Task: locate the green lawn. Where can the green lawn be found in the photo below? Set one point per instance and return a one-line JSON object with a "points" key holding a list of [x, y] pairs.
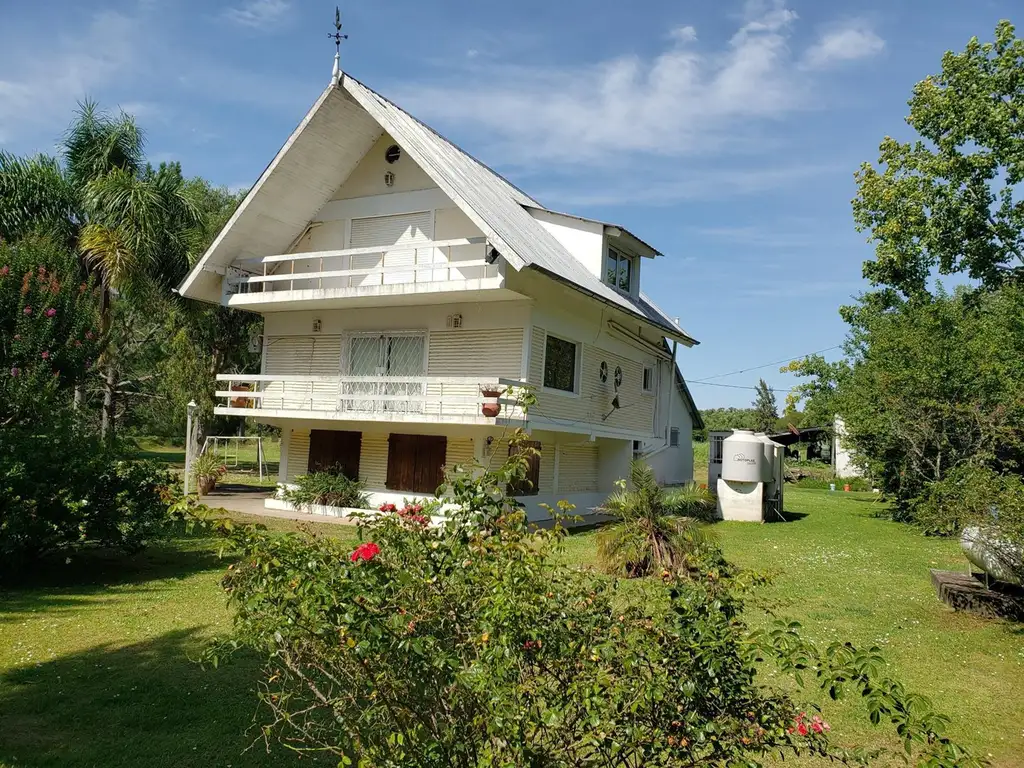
{"points": [[96, 657], [238, 456]]}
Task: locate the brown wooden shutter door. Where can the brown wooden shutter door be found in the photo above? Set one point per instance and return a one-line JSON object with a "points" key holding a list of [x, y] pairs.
{"points": [[530, 485], [416, 462], [331, 449]]}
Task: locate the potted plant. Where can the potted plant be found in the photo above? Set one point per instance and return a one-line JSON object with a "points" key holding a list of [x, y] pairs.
{"points": [[491, 410], [206, 471]]}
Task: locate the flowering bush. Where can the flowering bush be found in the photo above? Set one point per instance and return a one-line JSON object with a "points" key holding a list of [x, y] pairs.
{"points": [[47, 317], [59, 486], [471, 644]]}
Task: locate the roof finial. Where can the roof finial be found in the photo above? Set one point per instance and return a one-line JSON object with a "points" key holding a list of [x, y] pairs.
{"points": [[337, 37]]}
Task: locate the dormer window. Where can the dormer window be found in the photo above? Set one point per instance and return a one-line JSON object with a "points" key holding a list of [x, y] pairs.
{"points": [[618, 270]]}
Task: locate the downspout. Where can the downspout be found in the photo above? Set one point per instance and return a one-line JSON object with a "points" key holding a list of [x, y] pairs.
{"points": [[668, 426]]}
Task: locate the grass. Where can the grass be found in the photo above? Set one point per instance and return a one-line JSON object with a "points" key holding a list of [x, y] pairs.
{"points": [[240, 459], [96, 656]]}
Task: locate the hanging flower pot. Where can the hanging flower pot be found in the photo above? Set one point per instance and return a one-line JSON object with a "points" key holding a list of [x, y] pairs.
{"points": [[489, 391], [490, 410]]}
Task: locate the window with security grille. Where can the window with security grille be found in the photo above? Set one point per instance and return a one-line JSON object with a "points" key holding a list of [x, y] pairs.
{"points": [[561, 359], [673, 437], [386, 362]]}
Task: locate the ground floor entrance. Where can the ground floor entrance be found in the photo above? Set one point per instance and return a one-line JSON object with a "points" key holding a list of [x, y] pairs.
{"points": [[398, 465]]}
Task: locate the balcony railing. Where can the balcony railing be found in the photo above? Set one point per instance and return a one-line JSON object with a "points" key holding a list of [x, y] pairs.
{"points": [[379, 398], [440, 261]]}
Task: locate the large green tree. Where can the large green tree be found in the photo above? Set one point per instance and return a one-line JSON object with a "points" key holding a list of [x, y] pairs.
{"points": [[950, 200], [131, 224], [766, 410]]}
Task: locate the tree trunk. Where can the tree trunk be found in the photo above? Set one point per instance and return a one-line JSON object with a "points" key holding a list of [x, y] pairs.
{"points": [[109, 403], [106, 359]]}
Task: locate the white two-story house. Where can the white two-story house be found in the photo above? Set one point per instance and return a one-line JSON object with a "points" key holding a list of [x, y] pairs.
{"points": [[406, 288]]}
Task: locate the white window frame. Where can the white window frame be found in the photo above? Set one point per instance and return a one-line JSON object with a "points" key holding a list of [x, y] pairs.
{"points": [[653, 388], [619, 255], [577, 370]]}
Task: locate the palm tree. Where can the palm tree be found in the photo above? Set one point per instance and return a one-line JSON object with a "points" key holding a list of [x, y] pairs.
{"points": [[656, 529], [129, 223]]}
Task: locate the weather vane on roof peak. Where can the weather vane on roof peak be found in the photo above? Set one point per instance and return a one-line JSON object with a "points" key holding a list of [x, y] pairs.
{"points": [[337, 37]]}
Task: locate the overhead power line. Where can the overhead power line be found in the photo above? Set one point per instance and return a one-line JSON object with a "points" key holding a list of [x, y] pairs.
{"points": [[758, 367], [733, 386]]}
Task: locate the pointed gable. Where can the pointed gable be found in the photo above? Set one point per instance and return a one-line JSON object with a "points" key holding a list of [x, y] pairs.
{"points": [[329, 144]]}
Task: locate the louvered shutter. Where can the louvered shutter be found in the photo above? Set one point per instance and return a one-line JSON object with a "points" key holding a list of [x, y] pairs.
{"points": [[386, 232], [403, 229]]}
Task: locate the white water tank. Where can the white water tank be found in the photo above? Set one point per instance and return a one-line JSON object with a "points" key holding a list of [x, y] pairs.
{"points": [[743, 457], [768, 446]]}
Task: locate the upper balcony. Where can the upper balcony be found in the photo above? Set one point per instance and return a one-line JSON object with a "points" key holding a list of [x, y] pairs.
{"points": [[375, 275], [421, 399]]}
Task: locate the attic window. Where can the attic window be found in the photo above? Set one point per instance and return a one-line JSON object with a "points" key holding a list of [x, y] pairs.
{"points": [[618, 270], [393, 153]]}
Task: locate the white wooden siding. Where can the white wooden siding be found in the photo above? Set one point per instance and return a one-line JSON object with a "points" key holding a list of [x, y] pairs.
{"points": [[373, 459], [298, 454], [636, 411], [488, 353], [546, 482], [578, 468], [302, 356], [460, 451]]}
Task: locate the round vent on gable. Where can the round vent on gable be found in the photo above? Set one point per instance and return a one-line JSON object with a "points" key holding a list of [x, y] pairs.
{"points": [[393, 153]]}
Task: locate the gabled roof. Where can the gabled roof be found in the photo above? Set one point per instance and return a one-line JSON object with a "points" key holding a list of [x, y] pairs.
{"points": [[305, 173]]}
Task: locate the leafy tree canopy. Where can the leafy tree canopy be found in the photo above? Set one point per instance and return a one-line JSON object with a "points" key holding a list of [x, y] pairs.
{"points": [[950, 200]]}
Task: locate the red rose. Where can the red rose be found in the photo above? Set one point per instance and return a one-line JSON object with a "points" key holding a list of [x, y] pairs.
{"points": [[366, 551]]}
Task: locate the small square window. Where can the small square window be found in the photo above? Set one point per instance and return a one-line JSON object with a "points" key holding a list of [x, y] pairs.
{"points": [[560, 362], [618, 270], [648, 378], [673, 437]]}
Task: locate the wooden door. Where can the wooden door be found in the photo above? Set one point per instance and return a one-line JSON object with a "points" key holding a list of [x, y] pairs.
{"points": [[416, 462], [529, 485], [332, 450]]}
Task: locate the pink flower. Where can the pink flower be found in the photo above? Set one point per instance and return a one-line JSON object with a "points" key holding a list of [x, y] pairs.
{"points": [[88, 334], [78, 343], [366, 551], [387, 507], [15, 372], [5, 270], [801, 728], [27, 311], [45, 355], [17, 337], [51, 312]]}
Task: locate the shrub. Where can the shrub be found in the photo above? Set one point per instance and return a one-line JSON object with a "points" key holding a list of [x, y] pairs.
{"points": [[691, 500], [60, 487], [471, 644], [332, 489], [207, 465], [650, 534]]}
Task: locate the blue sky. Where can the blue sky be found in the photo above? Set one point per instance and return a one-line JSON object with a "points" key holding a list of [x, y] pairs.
{"points": [[724, 133]]}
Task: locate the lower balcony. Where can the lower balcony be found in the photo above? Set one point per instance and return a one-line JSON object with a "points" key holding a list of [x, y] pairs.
{"points": [[415, 399]]}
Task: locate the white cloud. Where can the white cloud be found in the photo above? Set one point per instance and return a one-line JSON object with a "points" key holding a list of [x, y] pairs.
{"points": [[681, 101], [855, 40], [687, 34], [259, 14], [39, 89]]}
